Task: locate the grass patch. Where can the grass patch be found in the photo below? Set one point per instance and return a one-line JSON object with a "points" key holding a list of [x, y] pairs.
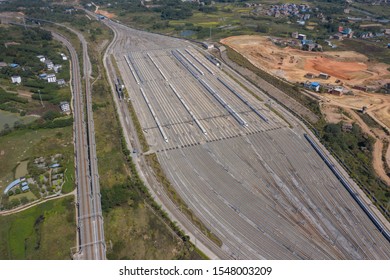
{"points": [[29, 196], [369, 121], [354, 151], [46, 231], [138, 233], [370, 49], [69, 176], [384, 151], [377, 10], [108, 137], [10, 119], [140, 133], [26, 144]]}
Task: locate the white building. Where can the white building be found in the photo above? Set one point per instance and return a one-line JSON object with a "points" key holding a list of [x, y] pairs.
{"points": [[65, 108], [63, 56], [16, 79], [51, 78], [41, 58], [61, 82], [301, 36], [57, 67], [49, 64]]}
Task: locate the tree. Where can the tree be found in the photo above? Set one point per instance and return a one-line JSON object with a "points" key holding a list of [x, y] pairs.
{"points": [[24, 200], [51, 115], [18, 124], [262, 28]]}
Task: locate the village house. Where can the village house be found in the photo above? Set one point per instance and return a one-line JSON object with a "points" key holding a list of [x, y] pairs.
{"points": [[41, 58], [49, 64], [337, 90], [65, 107], [51, 78], [16, 79], [57, 67]]}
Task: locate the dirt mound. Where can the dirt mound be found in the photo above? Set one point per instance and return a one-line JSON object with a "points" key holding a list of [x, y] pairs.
{"points": [[350, 67], [106, 14], [292, 64], [338, 69]]}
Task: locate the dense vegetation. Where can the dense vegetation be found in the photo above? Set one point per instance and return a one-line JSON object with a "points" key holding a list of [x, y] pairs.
{"points": [[46, 231], [121, 194], [8, 101], [22, 46], [354, 150]]}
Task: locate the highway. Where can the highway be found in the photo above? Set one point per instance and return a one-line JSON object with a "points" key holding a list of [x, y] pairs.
{"points": [[248, 174], [91, 244]]}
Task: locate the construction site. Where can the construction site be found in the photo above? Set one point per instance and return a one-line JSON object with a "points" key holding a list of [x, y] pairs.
{"points": [[351, 70]]}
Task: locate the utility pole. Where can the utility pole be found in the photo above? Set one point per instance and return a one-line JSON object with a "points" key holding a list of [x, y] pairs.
{"points": [[40, 97]]}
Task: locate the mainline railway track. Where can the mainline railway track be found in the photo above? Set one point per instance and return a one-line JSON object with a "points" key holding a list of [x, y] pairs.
{"points": [[91, 243]]}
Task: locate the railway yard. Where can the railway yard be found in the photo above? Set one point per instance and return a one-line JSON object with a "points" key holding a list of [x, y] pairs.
{"points": [[251, 177]]}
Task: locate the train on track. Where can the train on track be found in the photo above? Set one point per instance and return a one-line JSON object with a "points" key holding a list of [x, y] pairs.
{"points": [[348, 187]]}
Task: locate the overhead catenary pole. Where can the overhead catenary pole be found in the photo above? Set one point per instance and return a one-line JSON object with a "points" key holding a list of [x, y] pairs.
{"points": [[40, 97]]}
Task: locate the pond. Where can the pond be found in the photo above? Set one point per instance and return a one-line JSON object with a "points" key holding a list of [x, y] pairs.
{"points": [[10, 118], [187, 33]]}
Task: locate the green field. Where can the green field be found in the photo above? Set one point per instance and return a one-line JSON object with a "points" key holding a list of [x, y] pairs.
{"points": [[108, 141], [137, 233], [23, 145], [46, 231], [374, 51], [8, 118]]}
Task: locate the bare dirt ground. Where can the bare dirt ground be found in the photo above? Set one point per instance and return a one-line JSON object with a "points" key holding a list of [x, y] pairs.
{"points": [[378, 146], [350, 67], [333, 114], [25, 94], [106, 14]]}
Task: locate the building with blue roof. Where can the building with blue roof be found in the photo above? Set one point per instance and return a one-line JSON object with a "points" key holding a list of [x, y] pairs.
{"points": [[55, 165], [12, 185], [306, 42], [25, 188], [315, 86]]}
